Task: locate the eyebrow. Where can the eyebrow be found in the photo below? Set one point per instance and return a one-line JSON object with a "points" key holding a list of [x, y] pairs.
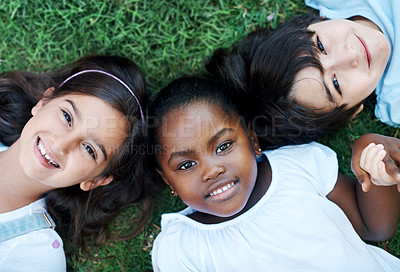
{"points": [[180, 153], [328, 92], [191, 151], [76, 110], [219, 134], [78, 116], [103, 150]]}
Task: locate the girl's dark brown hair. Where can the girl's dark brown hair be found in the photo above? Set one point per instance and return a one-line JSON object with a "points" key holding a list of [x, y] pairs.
{"points": [[78, 212]]}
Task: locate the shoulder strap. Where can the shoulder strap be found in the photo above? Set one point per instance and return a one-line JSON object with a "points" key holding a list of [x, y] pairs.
{"points": [[25, 224]]}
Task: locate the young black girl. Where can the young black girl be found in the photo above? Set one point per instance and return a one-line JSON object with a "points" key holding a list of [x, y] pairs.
{"points": [[279, 210]]}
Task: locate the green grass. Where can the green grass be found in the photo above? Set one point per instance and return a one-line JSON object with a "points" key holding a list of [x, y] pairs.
{"points": [[166, 38]]}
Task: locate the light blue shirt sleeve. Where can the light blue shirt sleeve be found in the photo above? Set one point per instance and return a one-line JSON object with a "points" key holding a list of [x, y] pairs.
{"points": [[2, 147]]}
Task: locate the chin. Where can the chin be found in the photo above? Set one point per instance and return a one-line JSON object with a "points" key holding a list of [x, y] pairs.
{"points": [[230, 213]]}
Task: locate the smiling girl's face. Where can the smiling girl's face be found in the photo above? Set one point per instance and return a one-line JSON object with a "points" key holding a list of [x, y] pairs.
{"points": [[207, 158], [70, 140], [353, 56]]}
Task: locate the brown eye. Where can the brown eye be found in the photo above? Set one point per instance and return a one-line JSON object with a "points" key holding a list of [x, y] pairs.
{"points": [[223, 147], [187, 165]]}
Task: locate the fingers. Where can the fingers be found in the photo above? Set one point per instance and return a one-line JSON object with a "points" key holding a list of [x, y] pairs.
{"points": [[370, 157], [362, 176], [392, 161], [394, 151], [391, 168], [384, 178], [364, 153], [365, 180], [372, 162], [376, 163]]}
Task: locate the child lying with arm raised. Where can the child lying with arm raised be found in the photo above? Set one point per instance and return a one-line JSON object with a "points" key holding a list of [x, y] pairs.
{"points": [[277, 210]]}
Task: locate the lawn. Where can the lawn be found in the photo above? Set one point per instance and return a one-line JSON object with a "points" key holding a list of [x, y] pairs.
{"points": [[166, 38]]}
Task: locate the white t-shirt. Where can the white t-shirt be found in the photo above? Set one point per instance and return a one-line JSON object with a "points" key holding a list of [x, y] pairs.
{"points": [[293, 227], [40, 250], [386, 15]]}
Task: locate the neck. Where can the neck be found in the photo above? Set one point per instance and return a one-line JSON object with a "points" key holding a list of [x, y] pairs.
{"points": [[365, 21], [16, 189], [264, 176]]}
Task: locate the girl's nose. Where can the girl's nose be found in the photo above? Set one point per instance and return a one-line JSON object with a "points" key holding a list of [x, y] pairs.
{"points": [[344, 58], [61, 143], [350, 56], [212, 171]]}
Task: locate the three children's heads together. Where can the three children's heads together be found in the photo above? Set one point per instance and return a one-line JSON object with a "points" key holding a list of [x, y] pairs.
{"points": [[287, 86]]}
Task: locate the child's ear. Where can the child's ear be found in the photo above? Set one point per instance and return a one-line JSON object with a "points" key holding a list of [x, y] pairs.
{"points": [[43, 101], [358, 111], [254, 140], [94, 183], [160, 172]]}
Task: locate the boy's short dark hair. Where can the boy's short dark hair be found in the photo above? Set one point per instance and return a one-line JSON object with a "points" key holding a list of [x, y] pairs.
{"points": [[261, 71]]}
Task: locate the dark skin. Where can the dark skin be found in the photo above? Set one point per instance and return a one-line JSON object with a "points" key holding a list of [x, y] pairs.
{"points": [[263, 181], [374, 212], [391, 160]]}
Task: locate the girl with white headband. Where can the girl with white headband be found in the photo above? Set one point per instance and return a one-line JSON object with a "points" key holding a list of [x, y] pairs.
{"points": [[74, 163]]}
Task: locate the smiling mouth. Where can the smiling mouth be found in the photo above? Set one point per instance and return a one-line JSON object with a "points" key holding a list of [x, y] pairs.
{"points": [[45, 156], [367, 54], [222, 189]]}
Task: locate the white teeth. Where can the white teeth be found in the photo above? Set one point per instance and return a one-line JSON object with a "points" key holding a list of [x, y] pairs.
{"points": [[47, 157], [41, 149], [223, 189]]}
